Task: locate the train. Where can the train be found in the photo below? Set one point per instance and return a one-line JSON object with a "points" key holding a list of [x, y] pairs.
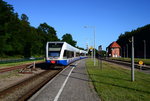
{"points": [[62, 53]]}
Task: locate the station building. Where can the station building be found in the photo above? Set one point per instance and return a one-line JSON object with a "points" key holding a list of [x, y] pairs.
{"points": [[113, 50]]}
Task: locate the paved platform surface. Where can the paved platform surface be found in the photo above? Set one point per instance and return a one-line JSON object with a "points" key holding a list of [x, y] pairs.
{"points": [[72, 84]]}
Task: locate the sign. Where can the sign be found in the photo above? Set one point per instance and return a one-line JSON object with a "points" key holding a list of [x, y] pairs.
{"points": [[91, 48], [100, 48], [140, 62], [54, 49]]}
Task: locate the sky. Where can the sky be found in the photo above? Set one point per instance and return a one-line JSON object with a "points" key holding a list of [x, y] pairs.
{"points": [[109, 18]]}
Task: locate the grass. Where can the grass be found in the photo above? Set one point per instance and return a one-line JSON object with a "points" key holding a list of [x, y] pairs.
{"points": [[113, 83], [19, 63], [146, 61]]}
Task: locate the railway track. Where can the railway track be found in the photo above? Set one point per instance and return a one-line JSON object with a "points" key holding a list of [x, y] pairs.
{"points": [[25, 89], [144, 67]]}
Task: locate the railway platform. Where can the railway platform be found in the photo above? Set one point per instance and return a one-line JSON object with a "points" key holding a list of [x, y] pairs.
{"points": [[72, 84]]}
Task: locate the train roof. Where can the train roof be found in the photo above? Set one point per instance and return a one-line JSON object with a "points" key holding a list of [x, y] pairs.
{"points": [[83, 51], [69, 47]]}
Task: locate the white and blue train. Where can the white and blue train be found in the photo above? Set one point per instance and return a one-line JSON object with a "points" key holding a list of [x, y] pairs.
{"points": [[62, 53]]}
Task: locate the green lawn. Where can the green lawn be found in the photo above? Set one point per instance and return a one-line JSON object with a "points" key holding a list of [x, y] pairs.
{"points": [[146, 61], [113, 83]]}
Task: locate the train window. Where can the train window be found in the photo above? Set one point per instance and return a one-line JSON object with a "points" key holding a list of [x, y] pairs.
{"points": [[65, 54], [68, 54], [54, 49], [82, 54], [77, 54], [54, 53], [72, 54]]}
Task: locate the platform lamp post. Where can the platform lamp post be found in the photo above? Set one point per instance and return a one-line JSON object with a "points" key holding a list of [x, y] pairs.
{"points": [[94, 39]]}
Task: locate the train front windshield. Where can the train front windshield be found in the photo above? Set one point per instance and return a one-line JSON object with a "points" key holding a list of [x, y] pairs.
{"points": [[54, 54], [54, 49]]}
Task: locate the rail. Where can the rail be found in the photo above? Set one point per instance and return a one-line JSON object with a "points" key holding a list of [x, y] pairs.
{"points": [[23, 90], [144, 67]]}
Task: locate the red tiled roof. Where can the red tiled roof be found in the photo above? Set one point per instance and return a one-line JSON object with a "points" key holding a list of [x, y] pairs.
{"points": [[114, 45]]}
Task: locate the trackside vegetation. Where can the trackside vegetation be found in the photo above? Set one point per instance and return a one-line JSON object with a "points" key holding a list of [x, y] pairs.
{"points": [[145, 61], [113, 83], [19, 63]]}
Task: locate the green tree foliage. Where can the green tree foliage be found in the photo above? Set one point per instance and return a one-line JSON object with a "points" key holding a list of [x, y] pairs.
{"points": [[17, 37], [140, 34], [49, 32], [27, 36], [6, 18], [80, 48], [68, 38]]}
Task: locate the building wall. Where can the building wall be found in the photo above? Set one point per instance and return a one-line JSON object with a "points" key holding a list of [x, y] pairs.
{"points": [[115, 52]]}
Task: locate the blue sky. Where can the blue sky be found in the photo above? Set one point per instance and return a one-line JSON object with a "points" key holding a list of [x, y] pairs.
{"points": [[110, 17]]}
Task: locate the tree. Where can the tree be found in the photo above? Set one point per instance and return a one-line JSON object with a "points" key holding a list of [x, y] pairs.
{"points": [[17, 37], [68, 38], [141, 35], [80, 48], [27, 36], [7, 16], [49, 32], [24, 18]]}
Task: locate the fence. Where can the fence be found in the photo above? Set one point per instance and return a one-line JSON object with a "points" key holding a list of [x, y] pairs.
{"points": [[4, 61]]}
